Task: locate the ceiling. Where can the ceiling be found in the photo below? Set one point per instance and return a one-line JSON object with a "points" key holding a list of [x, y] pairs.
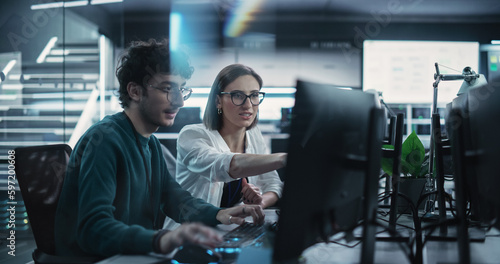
{"points": [[414, 10], [293, 23], [402, 7]]}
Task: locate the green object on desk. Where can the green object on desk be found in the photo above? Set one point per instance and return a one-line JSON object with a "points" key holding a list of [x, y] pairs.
{"points": [[414, 161]]}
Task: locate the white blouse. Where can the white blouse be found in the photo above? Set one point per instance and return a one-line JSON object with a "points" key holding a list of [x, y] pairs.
{"points": [[203, 160]]}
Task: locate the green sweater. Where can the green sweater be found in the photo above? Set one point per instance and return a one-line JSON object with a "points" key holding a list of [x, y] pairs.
{"points": [[105, 207]]}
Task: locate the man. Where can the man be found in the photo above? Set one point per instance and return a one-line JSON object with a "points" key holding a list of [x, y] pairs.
{"points": [[117, 189]]}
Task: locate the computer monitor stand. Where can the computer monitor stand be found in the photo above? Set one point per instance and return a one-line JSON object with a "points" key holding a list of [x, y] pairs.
{"points": [[445, 231]]}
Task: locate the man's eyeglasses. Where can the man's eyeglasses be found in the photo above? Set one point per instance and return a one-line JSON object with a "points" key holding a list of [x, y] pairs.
{"points": [[239, 98], [173, 92]]}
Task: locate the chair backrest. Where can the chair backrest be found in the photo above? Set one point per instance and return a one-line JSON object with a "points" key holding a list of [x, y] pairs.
{"points": [[40, 172]]}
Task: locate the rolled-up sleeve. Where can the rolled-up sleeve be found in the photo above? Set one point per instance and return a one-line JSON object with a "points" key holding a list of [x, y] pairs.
{"points": [[270, 181], [198, 154]]}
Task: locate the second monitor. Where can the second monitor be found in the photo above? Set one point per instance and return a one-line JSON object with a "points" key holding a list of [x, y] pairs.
{"points": [[332, 171]]}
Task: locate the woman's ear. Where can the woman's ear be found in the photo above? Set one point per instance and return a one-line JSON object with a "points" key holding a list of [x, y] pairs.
{"points": [[134, 91], [217, 102]]}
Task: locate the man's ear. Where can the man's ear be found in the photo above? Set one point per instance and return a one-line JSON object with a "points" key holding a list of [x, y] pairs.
{"points": [[134, 91]]}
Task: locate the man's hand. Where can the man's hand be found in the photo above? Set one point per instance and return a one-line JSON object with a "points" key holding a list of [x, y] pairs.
{"points": [[191, 232], [236, 215]]}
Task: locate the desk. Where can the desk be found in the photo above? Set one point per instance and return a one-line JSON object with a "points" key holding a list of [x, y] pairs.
{"points": [[435, 252], [271, 216]]}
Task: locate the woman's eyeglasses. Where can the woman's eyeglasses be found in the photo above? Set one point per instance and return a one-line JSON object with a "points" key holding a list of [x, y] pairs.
{"points": [[239, 98]]}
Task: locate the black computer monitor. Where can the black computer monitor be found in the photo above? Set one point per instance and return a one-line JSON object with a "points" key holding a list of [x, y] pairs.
{"points": [[476, 113], [473, 127], [461, 105], [333, 165], [484, 122]]}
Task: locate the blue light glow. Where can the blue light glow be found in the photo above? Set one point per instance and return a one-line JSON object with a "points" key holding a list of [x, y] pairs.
{"points": [[175, 30], [228, 250]]}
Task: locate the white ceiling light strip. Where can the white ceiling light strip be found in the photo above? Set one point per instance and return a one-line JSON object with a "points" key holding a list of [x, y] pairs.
{"points": [[59, 5], [46, 50], [100, 2], [8, 68], [72, 4]]}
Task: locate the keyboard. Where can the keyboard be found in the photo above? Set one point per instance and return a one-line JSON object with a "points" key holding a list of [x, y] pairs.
{"points": [[244, 235]]}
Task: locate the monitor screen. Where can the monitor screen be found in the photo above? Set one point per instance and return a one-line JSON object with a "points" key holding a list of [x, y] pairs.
{"points": [[185, 116], [325, 173], [493, 65], [404, 70]]}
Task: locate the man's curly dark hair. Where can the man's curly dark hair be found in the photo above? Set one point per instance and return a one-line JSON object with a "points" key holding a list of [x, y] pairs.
{"points": [[143, 59]]}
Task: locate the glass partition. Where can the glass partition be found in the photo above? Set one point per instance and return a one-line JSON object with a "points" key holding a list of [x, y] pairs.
{"points": [[56, 63]]}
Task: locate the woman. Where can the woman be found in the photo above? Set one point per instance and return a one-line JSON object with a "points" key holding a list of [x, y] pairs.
{"points": [[225, 160]]}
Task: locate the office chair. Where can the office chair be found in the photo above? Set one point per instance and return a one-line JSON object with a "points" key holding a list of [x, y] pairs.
{"points": [[40, 173]]}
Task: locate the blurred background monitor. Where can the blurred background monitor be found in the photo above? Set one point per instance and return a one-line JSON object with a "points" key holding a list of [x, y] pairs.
{"points": [[286, 118], [404, 70], [493, 65], [185, 116]]}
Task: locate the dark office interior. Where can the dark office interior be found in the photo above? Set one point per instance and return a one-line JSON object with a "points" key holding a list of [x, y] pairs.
{"points": [[58, 60]]}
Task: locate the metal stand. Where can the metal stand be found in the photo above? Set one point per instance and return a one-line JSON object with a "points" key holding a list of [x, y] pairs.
{"points": [[438, 77]]}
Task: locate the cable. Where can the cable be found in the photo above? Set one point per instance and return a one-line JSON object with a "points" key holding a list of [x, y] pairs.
{"points": [[441, 65], [433, 227], [408, 250], [401, 225], [346, 245]]}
